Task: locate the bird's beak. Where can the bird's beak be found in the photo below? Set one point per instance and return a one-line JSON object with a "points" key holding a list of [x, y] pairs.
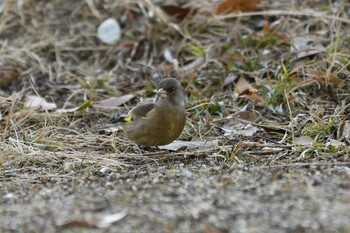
{"points": [[161, 93]]}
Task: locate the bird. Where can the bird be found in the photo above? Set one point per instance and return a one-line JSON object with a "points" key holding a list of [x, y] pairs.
{"points": [[159, 122]]}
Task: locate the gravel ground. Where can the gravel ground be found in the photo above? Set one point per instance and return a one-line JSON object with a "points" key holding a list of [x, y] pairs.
{"points": [[183, 197]]}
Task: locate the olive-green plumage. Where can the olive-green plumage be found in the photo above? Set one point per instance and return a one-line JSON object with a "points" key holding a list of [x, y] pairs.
{"points": [[159, 122]]}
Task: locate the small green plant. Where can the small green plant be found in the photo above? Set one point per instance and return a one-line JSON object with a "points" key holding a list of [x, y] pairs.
{"points": [[94, 82], [231, 155], [197, 49]]}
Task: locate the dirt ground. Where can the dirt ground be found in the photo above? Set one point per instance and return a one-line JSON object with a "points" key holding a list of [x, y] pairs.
{"points": [[267, 88], [185, 196]]}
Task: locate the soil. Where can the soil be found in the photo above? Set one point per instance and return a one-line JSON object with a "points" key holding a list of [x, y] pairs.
{"points": [[183, 196]]}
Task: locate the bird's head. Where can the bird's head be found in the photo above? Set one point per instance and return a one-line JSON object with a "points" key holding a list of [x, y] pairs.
{"points": [[171, 91]]}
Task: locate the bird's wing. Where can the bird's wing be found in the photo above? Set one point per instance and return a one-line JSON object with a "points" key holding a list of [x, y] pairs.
{"points": [[141, 110]]}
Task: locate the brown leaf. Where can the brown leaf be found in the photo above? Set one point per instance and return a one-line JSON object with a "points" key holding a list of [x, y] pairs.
{"points": [[247, 91], [253, 97], [242, 85], [178, 12], [229, 6], [266, 26], [245, 115], [322, 77], [274, 127], [76, 223], [114, 102]]}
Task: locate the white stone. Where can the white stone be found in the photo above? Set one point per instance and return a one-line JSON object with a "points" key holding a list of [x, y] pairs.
{"points": [[109, 31]]}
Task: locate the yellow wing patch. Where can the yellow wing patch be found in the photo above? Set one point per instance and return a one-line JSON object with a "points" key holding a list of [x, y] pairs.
{"points": [[128, 118]]}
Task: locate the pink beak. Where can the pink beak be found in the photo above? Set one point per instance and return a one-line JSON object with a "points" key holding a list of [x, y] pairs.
{"points": [[161, 93]]}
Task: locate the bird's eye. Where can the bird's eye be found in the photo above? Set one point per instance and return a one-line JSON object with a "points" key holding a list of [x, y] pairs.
{"points": [[171, 89]]}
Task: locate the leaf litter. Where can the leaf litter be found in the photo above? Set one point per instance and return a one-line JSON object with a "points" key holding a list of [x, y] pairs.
{"points": [[269, 73]]}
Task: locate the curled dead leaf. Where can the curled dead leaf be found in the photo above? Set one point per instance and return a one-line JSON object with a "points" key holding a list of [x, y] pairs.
{"points": [[245, 89], [242, 85], [95, 220]]}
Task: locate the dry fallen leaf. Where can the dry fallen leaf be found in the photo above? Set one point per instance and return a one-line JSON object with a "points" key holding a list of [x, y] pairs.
{"points": [[240, 123], [323, 77], [113, 102], [38, 103], [246, 90], [177, 145], [344, 131], [312, 50], [229, 6], [305, 46], [230, 78], [177, 12], [303, 141], [242, 85], [274, 127], [240, 129], [96, 220], [244, 115], [253, 97]]}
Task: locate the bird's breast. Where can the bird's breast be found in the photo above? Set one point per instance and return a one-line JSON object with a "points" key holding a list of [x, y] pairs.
{"points": [[160, 127]]}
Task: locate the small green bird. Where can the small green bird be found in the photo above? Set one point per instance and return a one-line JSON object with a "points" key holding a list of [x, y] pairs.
{"points": [[159, 122]]}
